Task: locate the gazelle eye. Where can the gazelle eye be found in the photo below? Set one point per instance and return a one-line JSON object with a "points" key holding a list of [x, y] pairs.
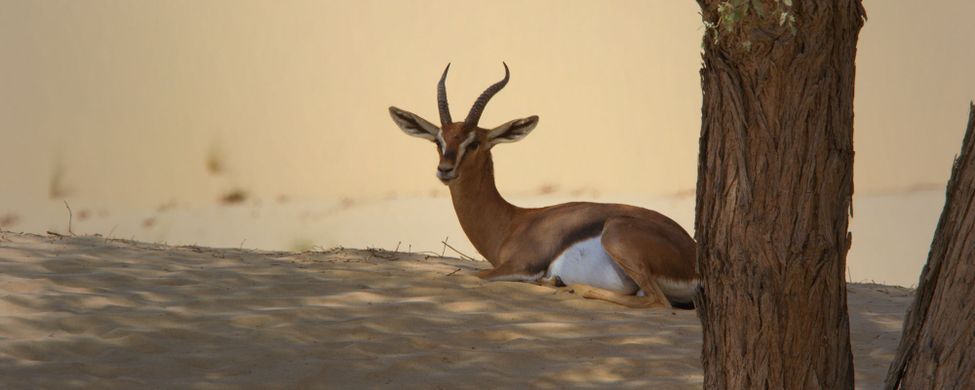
{"points": [[474, 145]]}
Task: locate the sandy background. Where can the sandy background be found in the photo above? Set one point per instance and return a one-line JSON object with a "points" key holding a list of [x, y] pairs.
{"points": [[90, 312], [891, 232]]}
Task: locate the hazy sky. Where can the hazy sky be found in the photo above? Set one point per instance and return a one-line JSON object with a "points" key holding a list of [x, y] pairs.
{"points": [[125, 100]]}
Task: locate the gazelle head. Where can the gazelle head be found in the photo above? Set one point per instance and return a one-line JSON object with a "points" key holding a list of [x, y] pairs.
{"points": [[464, 148]]}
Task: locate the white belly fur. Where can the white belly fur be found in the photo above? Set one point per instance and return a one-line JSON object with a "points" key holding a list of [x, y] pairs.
{"points": [[586, 262]]}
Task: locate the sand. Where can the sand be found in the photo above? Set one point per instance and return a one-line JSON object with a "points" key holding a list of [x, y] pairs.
{"points": [[891, 232], [89, 312]]}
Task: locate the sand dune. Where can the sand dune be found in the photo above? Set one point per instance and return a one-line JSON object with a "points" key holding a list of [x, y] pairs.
{"points": [[891, 232], [96, 313]]}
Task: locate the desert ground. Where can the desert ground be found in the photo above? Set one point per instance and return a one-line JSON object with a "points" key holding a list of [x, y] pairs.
{"points": [[891, 231], [93, 312]]}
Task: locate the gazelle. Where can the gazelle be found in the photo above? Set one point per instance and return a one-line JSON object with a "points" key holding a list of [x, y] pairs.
{"points": [[623, 254]]}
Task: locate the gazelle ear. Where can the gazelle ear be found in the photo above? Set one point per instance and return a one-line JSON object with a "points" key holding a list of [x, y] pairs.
{"points": [[512, 131], [413, 124]]}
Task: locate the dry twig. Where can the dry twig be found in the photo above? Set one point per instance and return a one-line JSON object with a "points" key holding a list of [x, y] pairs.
{"points": [[462, 255], [70, 217]]}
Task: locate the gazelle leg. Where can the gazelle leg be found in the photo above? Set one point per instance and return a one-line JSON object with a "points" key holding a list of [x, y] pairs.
{"points": [[631, 301], [507, 272], [627, 240], [554, 281]]}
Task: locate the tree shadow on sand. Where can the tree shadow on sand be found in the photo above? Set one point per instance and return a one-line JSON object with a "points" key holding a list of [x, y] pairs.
{"points": [[876, 321], [95, 313]]}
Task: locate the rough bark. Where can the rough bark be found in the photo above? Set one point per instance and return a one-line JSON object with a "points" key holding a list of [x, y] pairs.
{"points": [[935, 351], [775, 181]]}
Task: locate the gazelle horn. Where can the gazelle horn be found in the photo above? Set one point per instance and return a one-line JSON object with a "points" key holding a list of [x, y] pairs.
{"points": [[442, 98], [475, 114]]}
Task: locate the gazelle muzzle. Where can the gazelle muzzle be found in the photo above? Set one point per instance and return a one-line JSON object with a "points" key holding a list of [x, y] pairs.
{"points": [[446, 172]]}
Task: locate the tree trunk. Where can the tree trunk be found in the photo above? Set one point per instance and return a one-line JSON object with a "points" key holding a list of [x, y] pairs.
{"points": [[775, 181], [936, 349]]}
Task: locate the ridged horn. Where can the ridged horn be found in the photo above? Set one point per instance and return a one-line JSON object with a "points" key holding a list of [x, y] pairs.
{"points": [[442, 98], [478, 108]]}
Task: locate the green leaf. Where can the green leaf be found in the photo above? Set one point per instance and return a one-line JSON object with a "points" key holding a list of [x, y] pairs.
{"points": [[787, 2]]}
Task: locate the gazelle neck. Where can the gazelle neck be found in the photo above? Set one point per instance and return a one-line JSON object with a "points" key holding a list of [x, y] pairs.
{"points": [[484, 215]]}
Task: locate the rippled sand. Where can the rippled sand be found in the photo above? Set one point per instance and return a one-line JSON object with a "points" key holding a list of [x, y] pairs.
{"points": [[96, 313]]}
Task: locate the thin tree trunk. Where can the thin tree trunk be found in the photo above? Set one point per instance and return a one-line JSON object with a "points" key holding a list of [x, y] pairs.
{"points": [[936, 349], [775, 181]]}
